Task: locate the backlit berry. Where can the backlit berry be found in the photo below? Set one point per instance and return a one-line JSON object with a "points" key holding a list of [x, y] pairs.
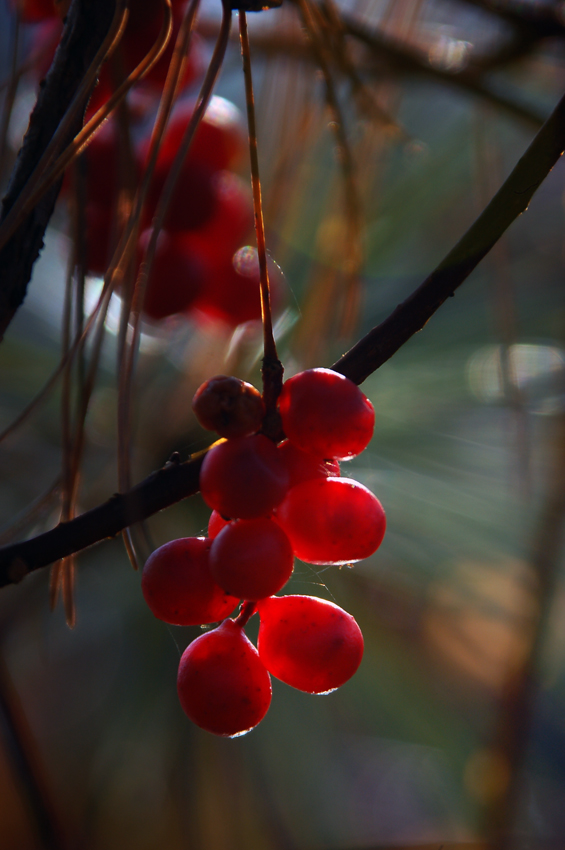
{"points": [[251, 558], [326, 414], [302, 466], [229, 406], [222, 683], [332, 521], [243, 478], [178, 586], [308, 643], [216, 523]]}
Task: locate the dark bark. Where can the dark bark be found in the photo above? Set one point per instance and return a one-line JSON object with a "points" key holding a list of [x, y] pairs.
{"points": [[86, 26]]}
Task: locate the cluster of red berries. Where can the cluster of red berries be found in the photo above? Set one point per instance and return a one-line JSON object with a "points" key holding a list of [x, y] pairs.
{"points": [[269, 504], [203, 266]]}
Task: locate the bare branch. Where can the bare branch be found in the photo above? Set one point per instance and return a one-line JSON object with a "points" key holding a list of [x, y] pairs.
{"points": [[86, 27]]}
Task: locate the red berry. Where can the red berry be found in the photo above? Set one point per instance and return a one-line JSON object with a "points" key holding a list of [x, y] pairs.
{"points": [[251, 558], [220, 139], [332, 521], [232, 288], [243, 478], [193, 201], [215, 524], [229, 406], [176, 278], [140, 35], [99, 239], [308, 643], [33, 11], [303, 466], [222, 683], [232, 221], [325, 413], [178, 586]]}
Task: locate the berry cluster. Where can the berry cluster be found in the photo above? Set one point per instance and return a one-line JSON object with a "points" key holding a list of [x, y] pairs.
{"points": [[269, 504], [203, 267]]}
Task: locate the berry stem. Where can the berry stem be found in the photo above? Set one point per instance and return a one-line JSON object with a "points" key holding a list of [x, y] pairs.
{"points": [[248, 608], [272, 367]]}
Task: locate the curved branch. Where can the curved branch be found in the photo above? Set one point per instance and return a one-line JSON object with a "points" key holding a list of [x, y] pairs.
{"points": [[161, 489], [176, 480]]}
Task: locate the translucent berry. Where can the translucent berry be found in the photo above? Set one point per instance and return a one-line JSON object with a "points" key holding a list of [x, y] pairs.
{"points": [[215, 524], [308, 643], [176, 278], [223, 685], [332, 521], [178, 586], [243, 478], [303, 466], [229, 406], [326, 414], [251, 558]]}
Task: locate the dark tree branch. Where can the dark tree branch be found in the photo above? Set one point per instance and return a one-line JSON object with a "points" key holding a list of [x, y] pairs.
{"points": [[405, 60], [175, 481], [510, 201], [86, 27]]}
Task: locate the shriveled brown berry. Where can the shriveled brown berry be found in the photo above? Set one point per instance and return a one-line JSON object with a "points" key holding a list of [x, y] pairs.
{"points": [[229, 406]]}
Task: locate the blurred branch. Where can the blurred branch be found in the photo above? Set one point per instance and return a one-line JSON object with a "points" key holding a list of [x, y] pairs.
{"points": [[533, 20], [516, 707], [400, 58], [404, 59], [86, 27]]}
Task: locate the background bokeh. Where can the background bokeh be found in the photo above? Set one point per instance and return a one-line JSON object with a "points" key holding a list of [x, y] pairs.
{"points": [[467, 459]]}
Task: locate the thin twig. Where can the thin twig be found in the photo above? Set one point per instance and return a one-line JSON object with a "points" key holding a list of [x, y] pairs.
{"points": [[272, 370]]}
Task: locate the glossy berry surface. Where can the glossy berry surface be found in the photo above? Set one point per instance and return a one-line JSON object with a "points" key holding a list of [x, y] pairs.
{"points": [[178, 586], [303, 466], [251, 558], [222, 683], [309, 643], [332, 521], [326, 414], [243, 478], [229, 406]]}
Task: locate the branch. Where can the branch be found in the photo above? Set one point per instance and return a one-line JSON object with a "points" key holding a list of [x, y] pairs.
{"points": [[86, 27], [510, 201], [176, 480], [405, 59]]}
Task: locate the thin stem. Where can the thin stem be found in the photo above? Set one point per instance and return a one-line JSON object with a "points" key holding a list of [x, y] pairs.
{"points": [[128, 358], [270, 348], [272, 370], [248, 608]]}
